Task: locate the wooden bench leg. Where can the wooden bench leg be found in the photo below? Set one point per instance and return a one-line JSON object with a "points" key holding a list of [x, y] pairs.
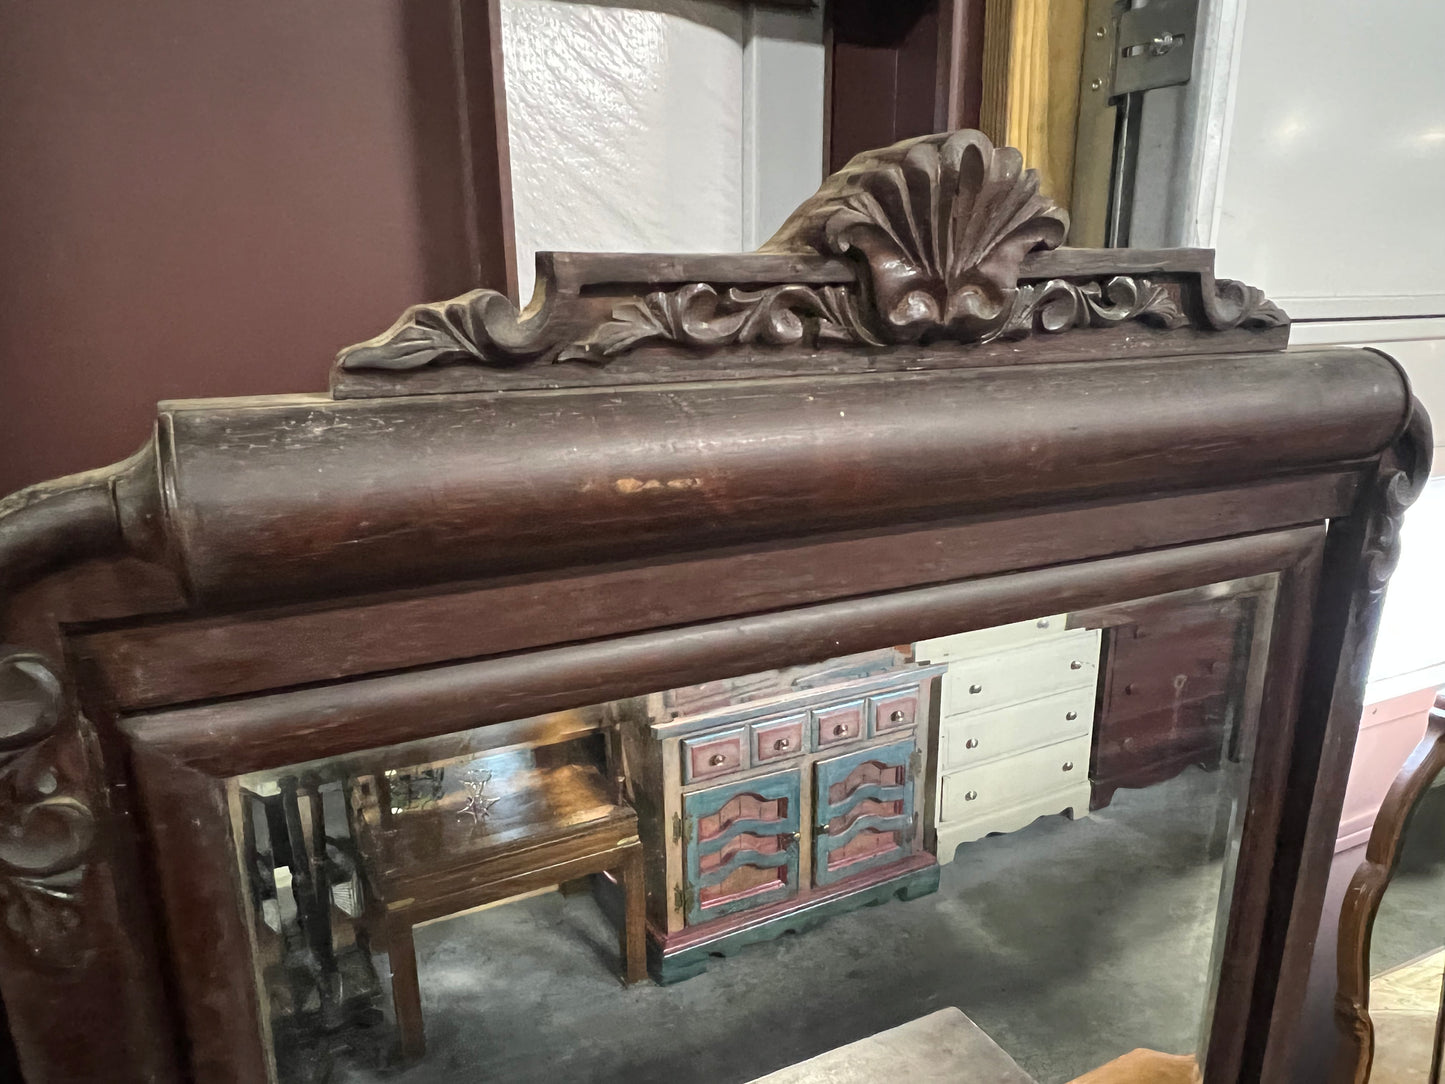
{"points": [[634, 928], [405, 991]]}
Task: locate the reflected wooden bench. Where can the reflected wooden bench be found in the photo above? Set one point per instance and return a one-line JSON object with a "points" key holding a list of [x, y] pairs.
{"points": [[549, 816]]}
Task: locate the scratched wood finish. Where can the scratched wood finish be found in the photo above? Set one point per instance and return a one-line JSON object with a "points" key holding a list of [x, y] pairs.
{"points": [[674, 469]]}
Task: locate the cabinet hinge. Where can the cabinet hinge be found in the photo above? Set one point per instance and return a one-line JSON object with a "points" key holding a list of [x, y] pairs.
{"points": [[915, 764], [681, 899], [677, 828]]}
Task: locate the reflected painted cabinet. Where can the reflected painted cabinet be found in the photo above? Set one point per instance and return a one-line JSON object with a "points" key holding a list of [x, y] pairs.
{"points": [[777, 808]]}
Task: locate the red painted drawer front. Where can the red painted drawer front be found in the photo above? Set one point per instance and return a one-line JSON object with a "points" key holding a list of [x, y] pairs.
{"points": [[712, 755], [778, 739], [835, 725], [897, 711]]}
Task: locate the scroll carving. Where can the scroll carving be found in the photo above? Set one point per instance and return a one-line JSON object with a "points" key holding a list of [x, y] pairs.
{"points": [[696, 315], [943, 240], [45, 833], [481, 326], [1058, 305], [1399, 488]]}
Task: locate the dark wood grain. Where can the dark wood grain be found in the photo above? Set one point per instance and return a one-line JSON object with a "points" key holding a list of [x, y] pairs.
{"points": [[188, 820], [248, 734], [188, 658], [393, 492], [778, 471], [1360, 554]]}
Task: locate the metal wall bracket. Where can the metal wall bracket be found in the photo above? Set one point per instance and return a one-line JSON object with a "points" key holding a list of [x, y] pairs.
{"points": [[1154, 46], [1127, 51]]}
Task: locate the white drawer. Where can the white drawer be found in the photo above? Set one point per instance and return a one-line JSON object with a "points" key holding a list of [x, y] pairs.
{"points": [[981, 736], [975, 792], [986, 641], [1025, 673]]}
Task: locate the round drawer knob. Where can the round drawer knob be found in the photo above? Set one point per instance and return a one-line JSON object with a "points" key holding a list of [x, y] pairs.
{"points": [[781, 743], [840, 730], [1071, 715], [1076, 665], [970, 796], [972, 743], [717, 759], [1068, 765], [975, 689], [897, 717], [1042, 624]]}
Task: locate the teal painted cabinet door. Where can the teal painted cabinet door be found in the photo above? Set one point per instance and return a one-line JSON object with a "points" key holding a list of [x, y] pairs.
{"points": [[864, 811], [742, 845]]}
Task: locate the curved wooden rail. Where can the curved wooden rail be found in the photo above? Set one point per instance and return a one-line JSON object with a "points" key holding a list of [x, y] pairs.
{"points": [[1363, 897]]}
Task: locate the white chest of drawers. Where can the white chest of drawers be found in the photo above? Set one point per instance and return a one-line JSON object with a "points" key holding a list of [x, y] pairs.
{"points": [[1016, 725]]}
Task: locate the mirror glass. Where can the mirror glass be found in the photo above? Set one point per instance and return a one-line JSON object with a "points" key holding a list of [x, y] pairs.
{"points": [[1006, 851], [1407, 952]]}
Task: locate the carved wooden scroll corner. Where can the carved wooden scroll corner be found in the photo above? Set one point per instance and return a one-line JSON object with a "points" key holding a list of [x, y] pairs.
{"points": [[47, 826]]}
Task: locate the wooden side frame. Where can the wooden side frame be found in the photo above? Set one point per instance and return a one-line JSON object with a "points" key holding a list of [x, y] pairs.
{"points": [[182, 775]]}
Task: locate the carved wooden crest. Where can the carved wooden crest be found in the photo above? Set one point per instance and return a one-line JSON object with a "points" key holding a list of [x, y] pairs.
{"points": [[943, 243]]}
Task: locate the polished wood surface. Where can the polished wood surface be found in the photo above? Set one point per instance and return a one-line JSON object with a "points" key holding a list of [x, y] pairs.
{"points": [[551, 532]]}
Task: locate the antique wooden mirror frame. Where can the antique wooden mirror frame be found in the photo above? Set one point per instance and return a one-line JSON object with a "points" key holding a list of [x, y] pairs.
{"points": [[909, 414]]}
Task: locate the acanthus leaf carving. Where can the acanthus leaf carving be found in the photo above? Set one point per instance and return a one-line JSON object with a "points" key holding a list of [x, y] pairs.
{"points": [[923, 242], [1234, 304], [1398, 490], [697, 315], [482, 326], [1059, 305]]}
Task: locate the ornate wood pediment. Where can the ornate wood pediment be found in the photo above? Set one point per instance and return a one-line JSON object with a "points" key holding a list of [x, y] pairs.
{"points": [[941, 243]]}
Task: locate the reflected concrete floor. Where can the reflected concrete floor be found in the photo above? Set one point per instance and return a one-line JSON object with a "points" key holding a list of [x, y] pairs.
{"points": [[1411, 919], [1069, 943]]}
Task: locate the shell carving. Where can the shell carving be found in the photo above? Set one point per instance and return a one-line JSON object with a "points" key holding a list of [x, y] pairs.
{"points": [[944, 223]]}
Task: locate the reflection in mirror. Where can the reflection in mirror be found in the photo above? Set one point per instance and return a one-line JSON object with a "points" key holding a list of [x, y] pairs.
{"points": [[1404, 873], [1046, 814]]}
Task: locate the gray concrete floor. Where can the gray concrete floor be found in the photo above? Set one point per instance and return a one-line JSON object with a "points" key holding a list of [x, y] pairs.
{"points": [[1069, 943]]}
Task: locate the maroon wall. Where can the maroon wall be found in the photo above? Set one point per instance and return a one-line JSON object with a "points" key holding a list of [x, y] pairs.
{"points": [[203, 197]]}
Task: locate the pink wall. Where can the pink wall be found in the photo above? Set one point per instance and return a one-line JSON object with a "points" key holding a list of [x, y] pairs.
{"points": [[210, 198]]}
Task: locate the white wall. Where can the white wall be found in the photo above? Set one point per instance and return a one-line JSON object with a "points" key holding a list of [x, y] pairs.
{"points": [[658, 125], [1326, 192], [1335, 162]]}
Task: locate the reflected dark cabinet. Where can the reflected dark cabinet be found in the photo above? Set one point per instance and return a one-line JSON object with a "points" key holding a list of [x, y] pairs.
{"points": [[1175, 691], [759, 481]]}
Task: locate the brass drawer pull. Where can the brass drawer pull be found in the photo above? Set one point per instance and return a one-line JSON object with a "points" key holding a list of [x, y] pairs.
{"points": [[970, 796], [717, 759], [1071, 715], [972, 743], [1068, 765], [840, 730], [781, 743], [897, 717], [1076, 665], [975, 689]]}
